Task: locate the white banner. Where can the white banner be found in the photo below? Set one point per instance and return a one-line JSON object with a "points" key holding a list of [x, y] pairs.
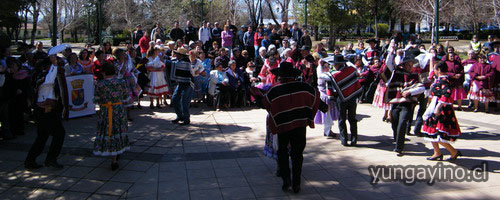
{"points": [[81, 95]]}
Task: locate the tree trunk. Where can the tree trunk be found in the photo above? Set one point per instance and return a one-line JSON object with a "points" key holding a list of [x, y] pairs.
{"points": [[75, 35], [402, 26], [391, 25], [432, 31], [358, 30], [495, 10], [316, 33], [62, 36], [36, 11], [412, 27], [284, 14], [376, 16], [272, 12], [331, 38]]}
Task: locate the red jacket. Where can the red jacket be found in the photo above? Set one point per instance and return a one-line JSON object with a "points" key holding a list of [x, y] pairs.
{"points": [[144, 44], [257, 38]]}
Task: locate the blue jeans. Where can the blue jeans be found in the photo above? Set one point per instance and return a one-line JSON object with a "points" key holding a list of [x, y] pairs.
{"points": [[181, 100], [256, 49]]}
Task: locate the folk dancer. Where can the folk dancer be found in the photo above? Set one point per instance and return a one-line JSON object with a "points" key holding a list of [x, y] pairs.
{"points": [[50, 107], [344, 83], [402, 91], [291, 106]]}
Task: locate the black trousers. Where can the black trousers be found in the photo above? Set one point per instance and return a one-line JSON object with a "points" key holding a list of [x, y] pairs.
{"points": [[16, 115], [297, 140], [347, 111], [48, 124], [237, 96], [223, 96], [419, 121], [4, 120], [401, 115]]}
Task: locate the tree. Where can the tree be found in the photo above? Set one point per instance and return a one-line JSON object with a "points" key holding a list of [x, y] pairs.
{"points": [[10, 19], [334, 14], [253, 7], [35, 12], [473, 13], [416, 10], [69, 16]]}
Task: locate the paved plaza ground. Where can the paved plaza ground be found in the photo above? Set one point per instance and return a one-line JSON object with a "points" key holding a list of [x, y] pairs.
{"points": [[220, 156]]}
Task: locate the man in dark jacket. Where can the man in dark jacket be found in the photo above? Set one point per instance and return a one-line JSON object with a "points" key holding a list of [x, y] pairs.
{"points": [[291, 105], [216, 33], [191, 33], [176, 33]]}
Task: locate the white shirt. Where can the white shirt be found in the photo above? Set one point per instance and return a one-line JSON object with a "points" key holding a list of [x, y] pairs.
{"points": [[204, 34]]}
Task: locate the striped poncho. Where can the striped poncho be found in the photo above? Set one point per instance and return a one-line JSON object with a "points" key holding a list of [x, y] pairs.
{"points": [[291, 105]]}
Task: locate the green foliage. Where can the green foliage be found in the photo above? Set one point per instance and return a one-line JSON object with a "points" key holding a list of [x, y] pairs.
{"points": [[383, 29]]}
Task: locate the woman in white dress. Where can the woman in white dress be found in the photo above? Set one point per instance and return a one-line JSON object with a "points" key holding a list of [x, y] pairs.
{"points": [[157, 85]]}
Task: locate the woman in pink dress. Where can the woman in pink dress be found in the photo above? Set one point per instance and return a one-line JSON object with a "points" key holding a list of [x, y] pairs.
{"points": [[456, 75], [481, 75]]}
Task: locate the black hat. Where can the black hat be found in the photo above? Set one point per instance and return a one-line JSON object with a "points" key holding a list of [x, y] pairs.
{"points": [[309, 58], [408, 58], [305, 48], [371, 40], [286, 69], [337, 59]]}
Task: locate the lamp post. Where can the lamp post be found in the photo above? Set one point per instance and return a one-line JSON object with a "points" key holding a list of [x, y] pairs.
{"points": [[89, 7], [305, 13], [436, 21], [99, 21], [54, 23]]}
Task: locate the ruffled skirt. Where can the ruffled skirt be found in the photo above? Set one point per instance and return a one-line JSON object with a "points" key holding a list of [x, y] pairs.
{"points": [[134, 90], [442, 128], [332, 111], [379, 98], [482, 95], [116, 143], [157, 85]]}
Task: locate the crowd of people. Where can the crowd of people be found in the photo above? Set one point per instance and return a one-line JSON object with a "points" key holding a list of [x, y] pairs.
{"points": [[275, 68]]}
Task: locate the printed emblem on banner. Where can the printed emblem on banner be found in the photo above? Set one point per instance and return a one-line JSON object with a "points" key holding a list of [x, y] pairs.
{"points": [[78, 93]]}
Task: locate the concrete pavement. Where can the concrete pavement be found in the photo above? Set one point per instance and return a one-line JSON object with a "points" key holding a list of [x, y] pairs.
{"points": [[220, 157]]}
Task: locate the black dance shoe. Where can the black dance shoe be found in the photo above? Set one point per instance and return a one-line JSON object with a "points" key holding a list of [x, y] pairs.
{"points": [[453, 158], [440, 157], [176, 121], [286, 185], [186, 122], [32, 165], [53, 164], [296, 188]]}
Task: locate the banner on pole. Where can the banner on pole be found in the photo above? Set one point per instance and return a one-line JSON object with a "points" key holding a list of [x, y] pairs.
{"points": [[81, 95]]}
